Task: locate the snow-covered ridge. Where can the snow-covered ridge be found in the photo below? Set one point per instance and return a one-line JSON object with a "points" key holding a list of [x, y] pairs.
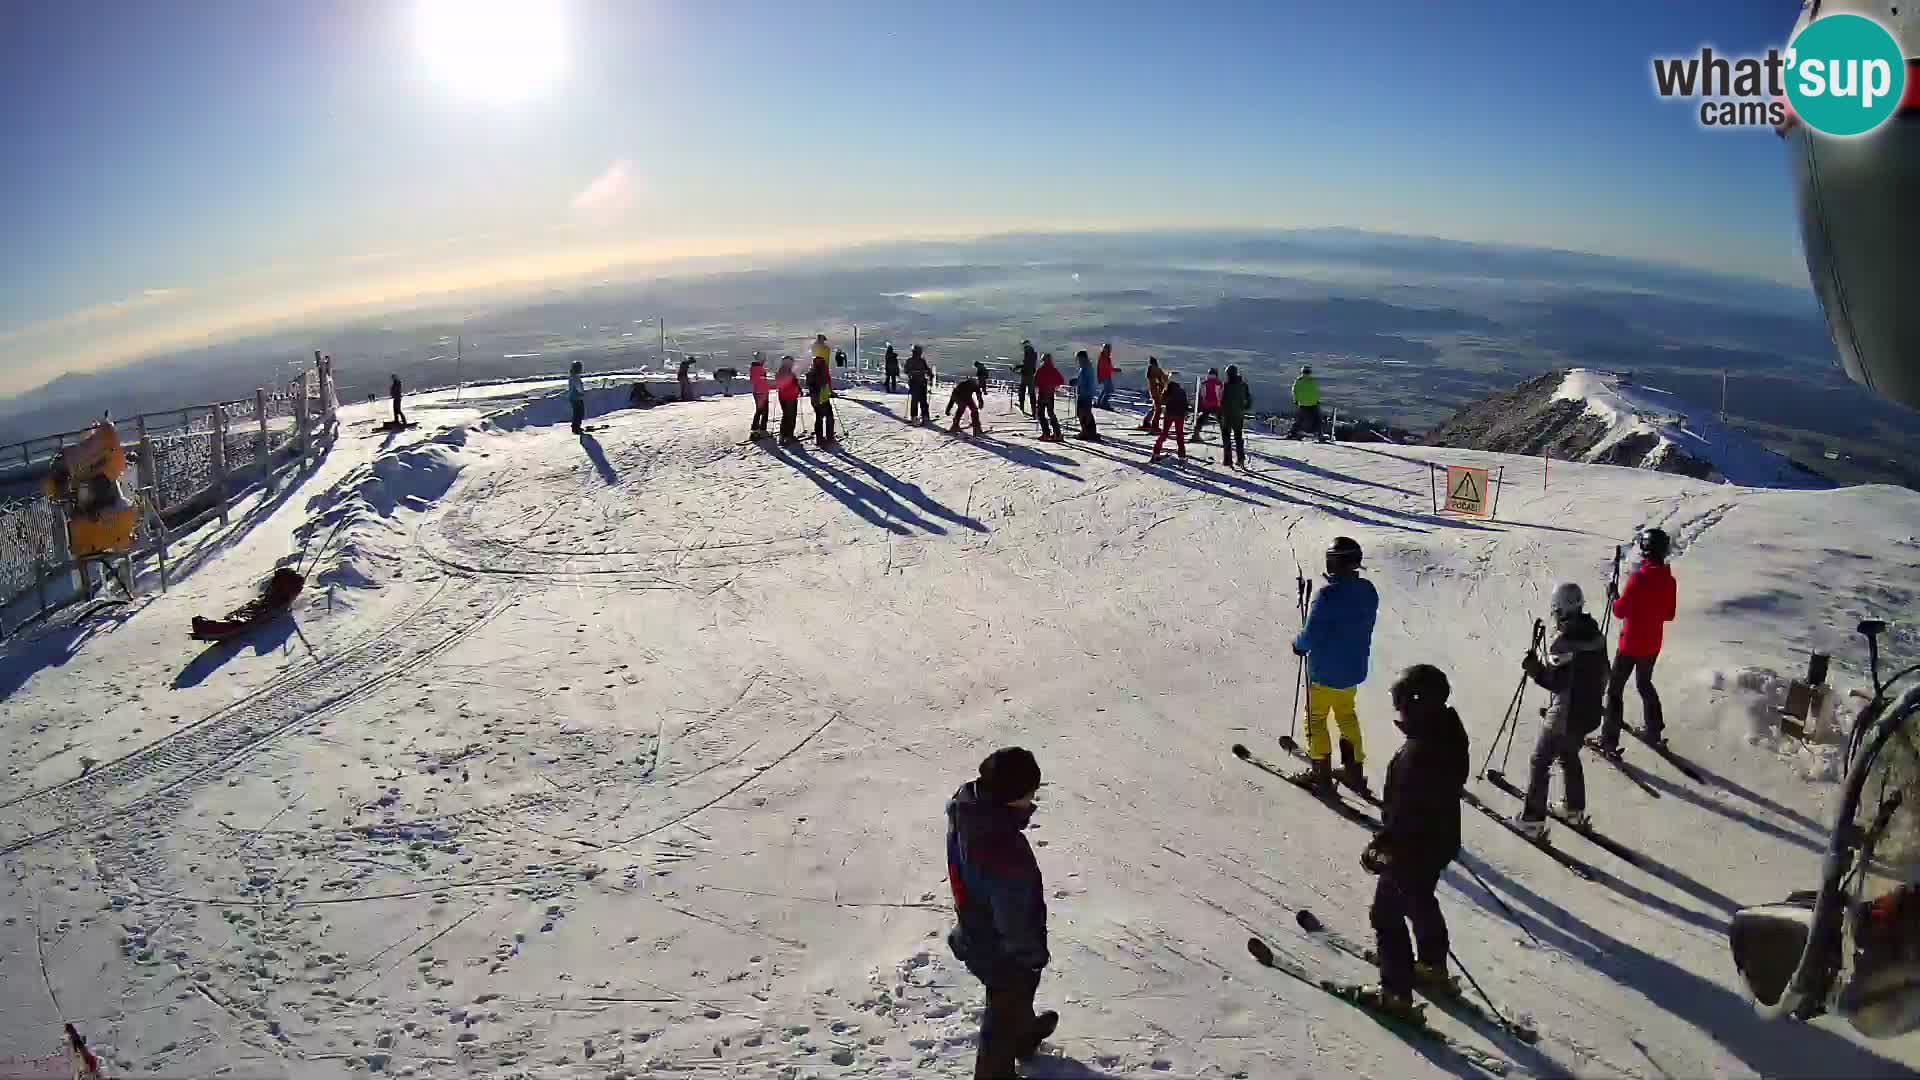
{"points": [[1605, 418]]}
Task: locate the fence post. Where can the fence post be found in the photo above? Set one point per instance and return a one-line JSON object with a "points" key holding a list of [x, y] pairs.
{"points": [[302, 416], [145, 474], [1494, 514], [261, 451], [220, 461]]}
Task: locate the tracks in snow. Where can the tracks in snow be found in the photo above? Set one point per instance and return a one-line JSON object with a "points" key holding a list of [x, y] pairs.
{"points": [[191, 757]]}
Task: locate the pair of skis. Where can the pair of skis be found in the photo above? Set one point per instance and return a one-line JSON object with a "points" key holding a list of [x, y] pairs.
{"points": [[1660, 746], [1335, 803], [1355, 994]]}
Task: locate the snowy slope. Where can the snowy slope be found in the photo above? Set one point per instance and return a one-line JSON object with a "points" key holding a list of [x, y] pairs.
{"points": [[625, 755], [1630, 410]]}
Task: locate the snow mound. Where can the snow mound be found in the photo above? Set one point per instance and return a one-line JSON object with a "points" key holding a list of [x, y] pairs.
{"points": [[367, 514]]}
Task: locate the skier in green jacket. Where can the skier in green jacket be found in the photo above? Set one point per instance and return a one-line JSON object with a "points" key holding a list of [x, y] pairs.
{"points": [[1306, 404]]}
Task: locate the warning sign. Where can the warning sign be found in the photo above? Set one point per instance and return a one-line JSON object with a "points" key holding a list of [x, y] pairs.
{"points": [[1467, 490]]}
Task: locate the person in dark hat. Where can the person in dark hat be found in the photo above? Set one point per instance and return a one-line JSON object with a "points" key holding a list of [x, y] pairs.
{"points": [[1000, 905], [1418, 838]]}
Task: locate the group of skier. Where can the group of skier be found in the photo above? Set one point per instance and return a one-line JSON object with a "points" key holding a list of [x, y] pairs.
{"points": [[999, 895]]}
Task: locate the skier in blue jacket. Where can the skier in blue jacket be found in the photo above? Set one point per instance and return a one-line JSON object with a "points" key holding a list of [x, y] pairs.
{"points": [[1337, 641], [1000, 903], [1083, 399]]}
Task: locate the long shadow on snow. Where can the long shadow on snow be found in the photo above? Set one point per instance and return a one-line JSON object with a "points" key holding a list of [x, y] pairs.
{"points": [[268, 637], [1763, 802], [1060, 1067], [24, 657], [870, 502], [1329, 474], [1768, 1048], [1019, 455], [912, 492], [1686, 793], [599, 457], [215, 539], [1178, 477]]}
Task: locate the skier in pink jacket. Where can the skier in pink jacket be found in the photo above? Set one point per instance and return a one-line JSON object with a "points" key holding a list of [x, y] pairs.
{"points": [[757, 376], [1209, 402]]}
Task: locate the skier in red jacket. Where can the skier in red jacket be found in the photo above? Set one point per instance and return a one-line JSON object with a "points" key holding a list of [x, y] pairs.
{"points": [[1045, 381], [1644, 608]]}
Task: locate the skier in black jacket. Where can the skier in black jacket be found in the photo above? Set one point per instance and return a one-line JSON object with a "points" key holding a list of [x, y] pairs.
{"points": [[1029, 365], [893, 370], [1575, 673], [1419, 837], [999, 901]]}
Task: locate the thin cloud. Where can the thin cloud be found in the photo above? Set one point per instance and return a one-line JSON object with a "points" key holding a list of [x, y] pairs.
{"points": [[611, 192], [97, 313]]}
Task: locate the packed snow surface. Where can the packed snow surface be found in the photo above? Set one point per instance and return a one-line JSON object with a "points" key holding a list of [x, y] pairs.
{"points": [[625, 754]]}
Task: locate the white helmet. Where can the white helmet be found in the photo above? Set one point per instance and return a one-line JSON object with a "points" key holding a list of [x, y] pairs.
{"points": [[1568, 600]]}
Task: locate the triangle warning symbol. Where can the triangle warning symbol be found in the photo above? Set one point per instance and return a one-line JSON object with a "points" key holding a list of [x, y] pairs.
{"points": [[1465, 489]]}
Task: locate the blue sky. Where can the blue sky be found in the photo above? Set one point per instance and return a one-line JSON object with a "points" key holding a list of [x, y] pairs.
{"points": [[178, 172]]}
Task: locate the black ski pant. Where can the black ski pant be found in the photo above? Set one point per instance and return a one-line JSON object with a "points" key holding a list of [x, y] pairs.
{"points": [[823, 422], [1088, 430], [1305, 418], [579, 415], [789, 415], [1556, 745], [1049, 420], [1026, 388], [893, 382], [1206, 415], [919, 409], [1405, 895], [1005, 1029], [967, 408], [398, 416], [760, 413], [1233, 438], [1640, 668]]}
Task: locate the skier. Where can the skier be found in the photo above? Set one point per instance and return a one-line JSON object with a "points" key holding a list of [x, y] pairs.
{"points": [[1173, 416], [820, 392], [893, 369], [822, 352], [1575, 673], [1029, 365], [393, 390], [1420, 835], [757, 379], [980, 373], [576, 396], [1156, 385], [1644, 608], [839, 358], [1045, 382], [1000, 906], [686, 382], [919, 376], [1083, 400], [1235, 402], [1209, 403], [1336, 641], [787, 385], [967, 398], [1105, 373], [1306, 404]]}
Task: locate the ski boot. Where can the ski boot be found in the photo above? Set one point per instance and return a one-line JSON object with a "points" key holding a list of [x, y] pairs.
{"points": [[1399, 1006], [1433, 979], [1042, 1029], [1609, 750], [1534, 829], [1351, 772], [1577, 819], [1317, 778]]}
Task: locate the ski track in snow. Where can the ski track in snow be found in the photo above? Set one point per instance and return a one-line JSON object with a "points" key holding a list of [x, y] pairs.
{"points": [[624, 755]]}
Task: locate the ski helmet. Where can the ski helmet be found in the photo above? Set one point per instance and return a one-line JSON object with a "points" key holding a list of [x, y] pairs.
{"points": [[1306, 369], [1568, 601], [1343, 555], [1420, 685], [1654, 544], [1008, 774]]}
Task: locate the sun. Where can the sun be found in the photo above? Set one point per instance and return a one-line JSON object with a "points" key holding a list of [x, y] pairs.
{"points": [[494, 51]]}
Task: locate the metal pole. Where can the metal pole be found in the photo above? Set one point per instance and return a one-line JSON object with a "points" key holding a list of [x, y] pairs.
{"points": [[266, 459], [1432, 491], [220, 461], [1495, 515], [663, 339]]}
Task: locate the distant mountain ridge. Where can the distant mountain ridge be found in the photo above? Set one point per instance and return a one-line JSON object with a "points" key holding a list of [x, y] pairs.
{"points": [[1604, 418]]}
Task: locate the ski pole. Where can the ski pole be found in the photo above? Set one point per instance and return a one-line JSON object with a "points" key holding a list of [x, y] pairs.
{"points": [[1302, 588], [1539, 630], [1606, 620], [1492, 1010], [1503, 904]]}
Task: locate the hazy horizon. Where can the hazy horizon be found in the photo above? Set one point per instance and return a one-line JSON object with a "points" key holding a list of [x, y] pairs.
{"points": [[179, 176]]}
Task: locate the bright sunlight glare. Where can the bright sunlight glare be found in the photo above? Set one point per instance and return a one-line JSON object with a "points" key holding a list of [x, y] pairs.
{"points": [[494, 51]]}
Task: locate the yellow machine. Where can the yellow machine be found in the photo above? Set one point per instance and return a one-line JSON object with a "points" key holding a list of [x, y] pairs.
{"points": [[85, 481]]}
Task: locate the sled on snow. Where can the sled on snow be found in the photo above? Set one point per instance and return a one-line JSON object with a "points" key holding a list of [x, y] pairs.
{"points": [[276, 596]]}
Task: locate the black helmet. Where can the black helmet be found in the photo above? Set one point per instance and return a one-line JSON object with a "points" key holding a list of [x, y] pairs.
{"points": [[1343, 555], [1306, 369], [1420, 685], [1654, 544]]}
